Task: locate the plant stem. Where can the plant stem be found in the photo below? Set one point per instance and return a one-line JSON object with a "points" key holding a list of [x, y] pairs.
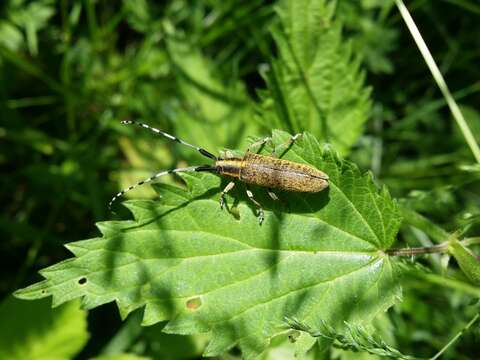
{"points": [[471, 241], [420, 222], [91, 20], [440, 248], [437, 75], [418, 250], [460, 333]]}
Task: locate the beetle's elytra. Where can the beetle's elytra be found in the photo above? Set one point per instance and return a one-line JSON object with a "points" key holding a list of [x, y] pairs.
{"points": [[274, 173], [262, 170]]}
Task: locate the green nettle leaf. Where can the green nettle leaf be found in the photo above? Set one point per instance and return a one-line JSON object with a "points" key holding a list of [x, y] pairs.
{"points": [[315, 84], [10, 36], [33, 330], [317, 257]]}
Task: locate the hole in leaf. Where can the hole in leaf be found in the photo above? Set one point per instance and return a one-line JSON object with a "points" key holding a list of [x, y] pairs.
{"points": [[293, 336], [82, 280], [194, 303]]}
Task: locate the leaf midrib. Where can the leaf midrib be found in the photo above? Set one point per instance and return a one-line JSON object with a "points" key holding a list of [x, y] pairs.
{"points": [[169, 269]]}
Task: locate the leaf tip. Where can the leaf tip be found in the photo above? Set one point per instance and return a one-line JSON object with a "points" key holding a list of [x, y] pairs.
{"points": [[36, 291]]}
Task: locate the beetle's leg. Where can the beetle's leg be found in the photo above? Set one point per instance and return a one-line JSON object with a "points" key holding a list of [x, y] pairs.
{"points": [[286, 145], [261, 215], [276, 198], [229, 187], [259, 143], [272, 194]]}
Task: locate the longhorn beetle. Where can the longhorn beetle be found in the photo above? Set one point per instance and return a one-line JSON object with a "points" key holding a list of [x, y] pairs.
{"points": [[267, 171]]}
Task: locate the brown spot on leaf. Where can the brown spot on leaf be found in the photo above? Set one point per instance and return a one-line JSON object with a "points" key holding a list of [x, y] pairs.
{"points": [[194, 303], [82, 280]]}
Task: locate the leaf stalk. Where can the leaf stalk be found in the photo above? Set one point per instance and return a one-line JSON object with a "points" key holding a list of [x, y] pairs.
{"points": [[440, 248]]}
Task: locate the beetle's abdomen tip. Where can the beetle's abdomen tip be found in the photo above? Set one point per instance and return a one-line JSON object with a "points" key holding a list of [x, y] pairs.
{"points": [[322, 186]]}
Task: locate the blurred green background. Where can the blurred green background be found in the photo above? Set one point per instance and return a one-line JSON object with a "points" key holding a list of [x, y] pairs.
{"points": [[71, 70]]}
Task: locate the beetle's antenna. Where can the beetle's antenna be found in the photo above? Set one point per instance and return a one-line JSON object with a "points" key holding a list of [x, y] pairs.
{"points": [[150, 179], [171, 137]]}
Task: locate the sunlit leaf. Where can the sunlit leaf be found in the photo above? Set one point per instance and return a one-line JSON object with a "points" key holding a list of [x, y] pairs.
{"points": [[32, 18], [10, 36], [318, 257], [33, 330]]}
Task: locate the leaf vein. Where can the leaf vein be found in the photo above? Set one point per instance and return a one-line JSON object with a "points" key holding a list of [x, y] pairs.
{"points": [[293, 291]]}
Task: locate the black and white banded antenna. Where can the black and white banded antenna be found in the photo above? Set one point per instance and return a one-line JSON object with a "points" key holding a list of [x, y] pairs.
{"points": [[166, 172], [171, 137]]}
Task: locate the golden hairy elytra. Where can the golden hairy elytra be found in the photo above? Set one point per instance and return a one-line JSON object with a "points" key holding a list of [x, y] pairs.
{"points": [[262, 170]]}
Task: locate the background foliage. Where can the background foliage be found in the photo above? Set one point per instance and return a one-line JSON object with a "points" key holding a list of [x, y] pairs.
{"points": [[216, 73]]}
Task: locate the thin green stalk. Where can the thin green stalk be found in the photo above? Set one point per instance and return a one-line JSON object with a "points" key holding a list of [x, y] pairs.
{"points": [[448, 283], [31, 69], [471, 241], [65, 73], [466, 5], [31, 101], [437, 75], [460, 333], [432, 106], [38, 242], [126, 336], [91, 20], [419, 221], [69, 98]]}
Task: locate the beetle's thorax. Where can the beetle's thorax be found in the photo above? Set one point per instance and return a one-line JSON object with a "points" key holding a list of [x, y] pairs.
{"points": [[230, 167]]}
